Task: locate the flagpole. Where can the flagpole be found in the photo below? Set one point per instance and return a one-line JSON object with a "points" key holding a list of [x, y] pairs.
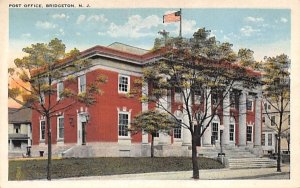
{"points": [[180, 28]]}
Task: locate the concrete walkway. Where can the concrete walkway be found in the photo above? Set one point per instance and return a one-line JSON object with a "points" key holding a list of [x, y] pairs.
{"points": [[215, 174]]}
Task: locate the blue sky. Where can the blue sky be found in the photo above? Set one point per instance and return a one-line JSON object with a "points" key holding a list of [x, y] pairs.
{"points": [[266, 31]]}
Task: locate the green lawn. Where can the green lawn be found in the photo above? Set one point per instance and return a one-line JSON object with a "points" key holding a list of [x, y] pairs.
{"points": [[74, 167]]}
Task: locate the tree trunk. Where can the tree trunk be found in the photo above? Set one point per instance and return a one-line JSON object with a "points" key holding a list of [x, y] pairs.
{"points": [[152, 148], [194, 158], [279, 153], [49, 148]]}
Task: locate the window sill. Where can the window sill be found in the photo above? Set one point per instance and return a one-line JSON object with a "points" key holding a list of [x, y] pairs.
{"points": [[177, 139], [122, 93], [60, 141], [124, 138]]}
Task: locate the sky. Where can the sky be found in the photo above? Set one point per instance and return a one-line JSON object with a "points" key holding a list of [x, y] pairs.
{"points": [[265, 31]]}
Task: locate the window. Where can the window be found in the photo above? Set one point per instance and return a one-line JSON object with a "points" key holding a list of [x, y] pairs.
{"points": [[269, 107], [82, 83], [123, 84], [60, 127], [231, 132], [215, 130], [156, 134], [42, 98], [177, 95], [263, 140], [269, 139], [17, 128], [249, 133], [249, 105], [42, 129], [177, 130], [266, 106], [273, 120], [215, 99], [232, 100], [263, 119], [197, 97], [60, 88], [289, 120], [123, 124]]}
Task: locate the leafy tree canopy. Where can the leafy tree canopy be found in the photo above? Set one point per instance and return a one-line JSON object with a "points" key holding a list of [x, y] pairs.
{"points": [[152, 121]]}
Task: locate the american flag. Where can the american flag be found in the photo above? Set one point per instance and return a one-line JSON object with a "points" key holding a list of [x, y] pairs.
{"points": [[173, 17]]}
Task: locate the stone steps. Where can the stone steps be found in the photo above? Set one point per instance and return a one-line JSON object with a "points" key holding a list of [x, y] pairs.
{"points": [[212, 152], [238, 163]]}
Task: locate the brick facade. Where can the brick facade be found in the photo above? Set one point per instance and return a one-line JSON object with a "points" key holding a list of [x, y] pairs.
{"points": [[102, 126]]}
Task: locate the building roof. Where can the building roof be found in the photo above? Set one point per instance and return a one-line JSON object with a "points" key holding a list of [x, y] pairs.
{"points": [[127, 48], [19, 115], [128, 54]]}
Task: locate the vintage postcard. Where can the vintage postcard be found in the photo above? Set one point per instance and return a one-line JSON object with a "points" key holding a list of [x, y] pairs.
{"points": [[167, 93]]}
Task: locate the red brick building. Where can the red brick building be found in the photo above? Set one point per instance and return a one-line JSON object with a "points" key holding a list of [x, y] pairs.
{"points": [[100, 129]]}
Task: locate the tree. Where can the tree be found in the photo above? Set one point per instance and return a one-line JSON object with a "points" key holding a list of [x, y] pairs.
{"points": [[39, 72], [196, 68], [276, 92], [152, 121]]}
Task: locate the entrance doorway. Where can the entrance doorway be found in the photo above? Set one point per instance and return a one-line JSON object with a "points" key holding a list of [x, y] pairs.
{"points": [[81, 129], [83, 136]]}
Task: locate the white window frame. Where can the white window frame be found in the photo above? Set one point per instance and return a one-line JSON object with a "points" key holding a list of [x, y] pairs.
{"points": [[79, 83], [252, 104], [58, 128], [42, 98], [233, 133], [58, 89], [251, 141], [156, 134], [177, 128], [197, 98], [177, 96], [215, 101], [42, 139], [232, 122], [271, 121], [128, 125], [128, 83], [270, 139], [263, 139], [212, 129]]}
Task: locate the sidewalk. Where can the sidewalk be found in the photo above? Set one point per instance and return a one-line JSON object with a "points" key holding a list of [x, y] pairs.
{"points": [[214, 174]]}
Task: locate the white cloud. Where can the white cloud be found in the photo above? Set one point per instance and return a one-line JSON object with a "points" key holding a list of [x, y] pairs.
{"points": [[80, 19], [60, 16], [135, 27], [26, 35], [248, 30], [78, 34], [101, 33], [283, 20], [45, 25], [61, 31], [188, 26], [226, 38], [254, 19], [271, 49], [97, 18]]}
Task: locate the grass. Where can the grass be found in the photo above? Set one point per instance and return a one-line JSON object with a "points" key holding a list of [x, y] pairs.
{"points": [[75, 167]]}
